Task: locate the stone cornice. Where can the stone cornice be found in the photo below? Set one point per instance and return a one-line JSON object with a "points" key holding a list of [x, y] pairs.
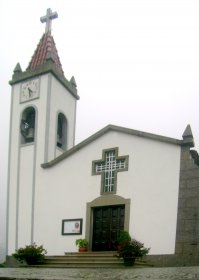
{"points": [[104, 131], [48, 67]]}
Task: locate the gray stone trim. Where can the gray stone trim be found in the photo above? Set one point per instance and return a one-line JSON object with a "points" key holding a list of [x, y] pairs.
{"points": [[126, 157], [48, 67], [34, 178], [74, 124], [107, 200], [105, 130], [46, 146]]}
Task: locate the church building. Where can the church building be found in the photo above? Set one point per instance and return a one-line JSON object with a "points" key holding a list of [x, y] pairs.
{"points": [[117, 179]]}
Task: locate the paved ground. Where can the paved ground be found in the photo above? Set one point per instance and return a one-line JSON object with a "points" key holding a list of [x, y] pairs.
{"points": [[178, 273]]}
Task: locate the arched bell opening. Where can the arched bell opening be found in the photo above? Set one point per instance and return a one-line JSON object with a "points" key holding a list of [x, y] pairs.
{"points": [[62, 131], [27, 125]]}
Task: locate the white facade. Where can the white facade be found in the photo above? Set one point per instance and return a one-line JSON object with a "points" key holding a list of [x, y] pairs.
{"points": [[63, 191], [152, 180], [51, 181]]}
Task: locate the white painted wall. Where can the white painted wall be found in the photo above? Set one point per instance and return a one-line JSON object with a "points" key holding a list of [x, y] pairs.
{"points": [[25, 160], [25, 195], [151, 181], [13, 168], [60, 101]]}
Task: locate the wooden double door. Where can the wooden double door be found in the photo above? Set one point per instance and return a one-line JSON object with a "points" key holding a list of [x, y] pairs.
{"points": [[108, 222]]}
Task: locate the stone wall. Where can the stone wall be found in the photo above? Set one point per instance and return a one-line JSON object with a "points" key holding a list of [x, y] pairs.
{"points": [[171, 260], [187, 235]]}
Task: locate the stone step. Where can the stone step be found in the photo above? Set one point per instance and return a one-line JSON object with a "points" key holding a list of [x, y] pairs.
{"points": [[92, 254], [87, 260], [81, 265], [54, 260]]}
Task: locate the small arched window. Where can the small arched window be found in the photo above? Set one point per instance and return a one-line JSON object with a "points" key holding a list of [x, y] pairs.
{"points": [[61, 131], [27, 125]]}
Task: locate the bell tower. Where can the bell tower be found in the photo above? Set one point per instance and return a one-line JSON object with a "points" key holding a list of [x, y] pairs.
{"points": [[42, 127]]}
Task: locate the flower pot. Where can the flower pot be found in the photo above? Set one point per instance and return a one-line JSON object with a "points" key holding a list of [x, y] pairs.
{"points": [[82, 249], [31, 260]]}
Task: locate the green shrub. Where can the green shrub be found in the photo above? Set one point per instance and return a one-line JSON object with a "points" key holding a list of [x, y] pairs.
{"points": [[132, 248], [2, 265], [81, 242], [32, 254], [123, 236]]}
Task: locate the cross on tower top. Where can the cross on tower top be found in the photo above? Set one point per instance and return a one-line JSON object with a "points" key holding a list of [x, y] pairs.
{"points": [[48, 19]]}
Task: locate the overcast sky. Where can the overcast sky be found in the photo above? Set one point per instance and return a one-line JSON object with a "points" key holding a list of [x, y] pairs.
{"points": [[136, 62]]}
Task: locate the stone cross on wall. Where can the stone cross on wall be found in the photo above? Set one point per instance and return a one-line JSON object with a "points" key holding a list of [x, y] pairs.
{"points": [[108, 167], [48, 19]]}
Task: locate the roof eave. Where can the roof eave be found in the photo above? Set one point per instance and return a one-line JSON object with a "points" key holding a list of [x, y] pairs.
{"points": [[105, 130]]}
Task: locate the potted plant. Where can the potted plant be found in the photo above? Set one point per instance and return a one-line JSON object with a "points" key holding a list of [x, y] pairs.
{"points": [[131, 249], [31, 254], [82, 243]]}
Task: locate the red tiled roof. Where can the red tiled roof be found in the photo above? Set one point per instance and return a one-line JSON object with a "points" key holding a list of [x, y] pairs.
{"points": [[45, 49]]}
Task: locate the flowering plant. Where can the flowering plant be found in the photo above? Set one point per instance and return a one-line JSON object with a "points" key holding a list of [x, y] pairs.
{"points": [[132, 248]]}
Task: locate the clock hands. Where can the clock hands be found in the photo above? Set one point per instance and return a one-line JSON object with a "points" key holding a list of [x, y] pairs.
{"points": [[30, 92]]}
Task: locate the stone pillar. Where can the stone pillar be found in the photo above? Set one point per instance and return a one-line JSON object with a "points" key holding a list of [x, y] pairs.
{"points": [[187, 235]]}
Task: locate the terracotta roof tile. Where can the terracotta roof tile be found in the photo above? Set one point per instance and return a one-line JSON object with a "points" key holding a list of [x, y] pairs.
{"points": [[45, 50]]}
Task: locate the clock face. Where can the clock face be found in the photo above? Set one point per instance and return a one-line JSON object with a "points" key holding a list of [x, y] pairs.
{"points": [[29, 90]]}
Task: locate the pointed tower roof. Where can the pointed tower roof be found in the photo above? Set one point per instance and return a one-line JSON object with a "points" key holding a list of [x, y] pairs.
{"points": [[45, 59], [46, 50]]}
